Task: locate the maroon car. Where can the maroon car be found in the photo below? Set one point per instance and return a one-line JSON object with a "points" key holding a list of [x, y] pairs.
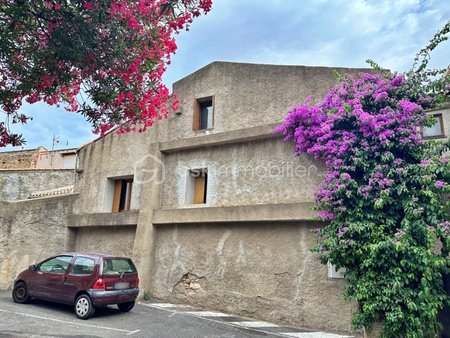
{"points": [[85, 280]]}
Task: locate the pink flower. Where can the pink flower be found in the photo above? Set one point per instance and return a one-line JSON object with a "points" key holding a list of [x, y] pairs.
{"points": [[88, 5], [440, 184]]}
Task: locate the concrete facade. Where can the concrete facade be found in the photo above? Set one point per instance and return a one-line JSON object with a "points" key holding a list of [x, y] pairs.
{"points": [[246, 250], [39, 158]]}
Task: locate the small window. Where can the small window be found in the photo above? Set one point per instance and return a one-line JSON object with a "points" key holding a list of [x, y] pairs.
{"points": [[56, 265], [197, 186], [333, 273], [113, 266], [122, 195], [203, 113], [435, 131], [83, 266]]}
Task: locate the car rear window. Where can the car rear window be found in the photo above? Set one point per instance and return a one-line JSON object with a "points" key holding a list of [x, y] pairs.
{"points": [[118, 265]]}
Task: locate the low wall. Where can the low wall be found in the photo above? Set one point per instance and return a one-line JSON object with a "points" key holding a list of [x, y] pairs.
{"points": [[30, 231], [260, 270], [19, 184]]}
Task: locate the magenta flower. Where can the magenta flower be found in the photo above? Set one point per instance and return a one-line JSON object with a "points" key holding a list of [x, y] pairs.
{"points": [[440, 184]]}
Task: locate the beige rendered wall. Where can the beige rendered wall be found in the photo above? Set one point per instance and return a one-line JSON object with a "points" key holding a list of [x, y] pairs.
{"points": [[248, 95], [112, 157], [116, 240], [260, 270], [30, 231], [257, 172]]}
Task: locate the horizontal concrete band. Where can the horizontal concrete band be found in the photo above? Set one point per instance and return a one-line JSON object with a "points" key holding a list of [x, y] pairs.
{"points": [[242, 213], [103, 219], [284, 212], [228, 137]]}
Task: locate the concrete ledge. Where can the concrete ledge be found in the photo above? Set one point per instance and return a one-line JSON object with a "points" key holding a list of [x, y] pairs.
{"points": [[233, 214], [229, 137], [103, 219]]}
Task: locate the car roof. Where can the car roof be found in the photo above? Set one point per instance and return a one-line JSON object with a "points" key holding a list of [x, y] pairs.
{"points": [[91, 255]]}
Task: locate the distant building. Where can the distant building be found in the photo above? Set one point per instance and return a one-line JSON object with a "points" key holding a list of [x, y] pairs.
{"points": [[36, 173]]}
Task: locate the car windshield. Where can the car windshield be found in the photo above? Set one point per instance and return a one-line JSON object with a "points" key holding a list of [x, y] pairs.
{"points": [[118, 266]]}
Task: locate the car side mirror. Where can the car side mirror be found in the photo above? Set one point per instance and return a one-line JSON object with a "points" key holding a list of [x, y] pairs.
{"points": [[32, 267]]}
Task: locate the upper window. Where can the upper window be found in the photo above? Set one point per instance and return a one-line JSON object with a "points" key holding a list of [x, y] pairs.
{"points": [[83, 266], [435, 131], [122, 195], [203, 113], [57, 264]]}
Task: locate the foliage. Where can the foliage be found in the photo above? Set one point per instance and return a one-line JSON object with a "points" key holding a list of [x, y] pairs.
{"points": [[101, 58], [384, 194]]}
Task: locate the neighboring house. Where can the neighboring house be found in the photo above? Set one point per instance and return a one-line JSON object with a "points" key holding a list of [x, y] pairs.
{"points": [[32, 173], [214, 207]]}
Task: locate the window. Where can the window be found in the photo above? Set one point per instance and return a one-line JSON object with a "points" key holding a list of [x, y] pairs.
{"points": [[117, 266], [333, 273], [83, 266], [203, 113], [196, 186], [56, 265], [122, 195], [435, 131]]}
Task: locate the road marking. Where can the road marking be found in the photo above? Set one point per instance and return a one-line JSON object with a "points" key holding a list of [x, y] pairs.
{"points": [[128, 333], [254, 324], [207, 314], [314, 335], [166, 305]]}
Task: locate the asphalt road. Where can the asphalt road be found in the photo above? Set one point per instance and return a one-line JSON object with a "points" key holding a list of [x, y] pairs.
{"points": [[43, 319]]}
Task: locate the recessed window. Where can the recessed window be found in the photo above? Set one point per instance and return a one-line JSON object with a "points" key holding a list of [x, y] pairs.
{"points": [[122, 195], [203, 113], [435, 131], [196, 189], [333, 273]]}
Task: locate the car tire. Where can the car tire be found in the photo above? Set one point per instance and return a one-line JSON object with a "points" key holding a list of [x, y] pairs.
{"points": [[125, 307], [20, 293], [84, 309]]}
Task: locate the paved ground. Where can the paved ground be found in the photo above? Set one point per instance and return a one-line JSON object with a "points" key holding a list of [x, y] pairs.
{"points": [[42, 319]]}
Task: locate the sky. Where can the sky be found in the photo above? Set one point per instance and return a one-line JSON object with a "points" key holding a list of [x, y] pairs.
{"points": [[333, 33]]}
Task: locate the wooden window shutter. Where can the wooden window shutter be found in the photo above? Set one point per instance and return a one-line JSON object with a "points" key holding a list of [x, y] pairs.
{"points": [[199, 189], [196, 125], [117, 192]]}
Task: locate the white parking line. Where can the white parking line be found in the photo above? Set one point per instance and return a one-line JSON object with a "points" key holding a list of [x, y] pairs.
{"points": [[254, 324], [207, 314], [128, 333], [314, 335], [166, 305]]}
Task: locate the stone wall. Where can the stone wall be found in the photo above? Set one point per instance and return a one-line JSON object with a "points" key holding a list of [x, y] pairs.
{"points": [[19, 184], [31, 231], [260, 270]]}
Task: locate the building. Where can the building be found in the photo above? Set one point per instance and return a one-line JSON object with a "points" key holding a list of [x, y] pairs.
{"points": [[211, 204], [36, 172]]}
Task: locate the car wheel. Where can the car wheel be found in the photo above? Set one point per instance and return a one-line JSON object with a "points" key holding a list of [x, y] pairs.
{"points": [[125, 307], [20, 293], [84, 309]]}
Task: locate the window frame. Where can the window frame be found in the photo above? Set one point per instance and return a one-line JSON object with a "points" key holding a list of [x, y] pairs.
{"points": [[197, 186], [441, 121], [118, 197], [197, 113]]}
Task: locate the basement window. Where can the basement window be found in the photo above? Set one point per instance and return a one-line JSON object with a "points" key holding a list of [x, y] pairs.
{"points": [[196, 189], [435, 131], [203, 113], [122, 195], [333, 273]]}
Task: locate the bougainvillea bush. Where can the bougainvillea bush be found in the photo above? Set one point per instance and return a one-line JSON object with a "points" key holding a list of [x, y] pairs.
{"points": [[383, 196], [101, 58]]}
